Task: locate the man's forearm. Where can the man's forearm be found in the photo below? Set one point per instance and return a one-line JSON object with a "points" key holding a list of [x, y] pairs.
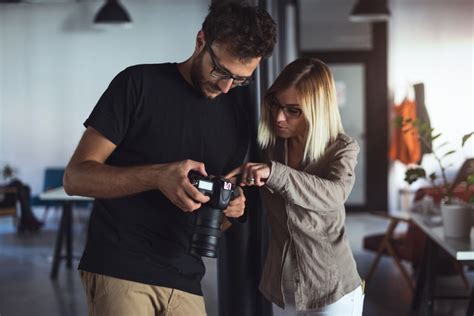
{"points": [[94, 179]]}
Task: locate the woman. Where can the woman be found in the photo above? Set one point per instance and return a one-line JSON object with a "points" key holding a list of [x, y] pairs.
{"points": [[307, 177]]}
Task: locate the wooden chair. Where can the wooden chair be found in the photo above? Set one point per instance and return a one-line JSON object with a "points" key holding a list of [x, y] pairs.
{"points": [[406, 246], [392, 244], [9, 209]]}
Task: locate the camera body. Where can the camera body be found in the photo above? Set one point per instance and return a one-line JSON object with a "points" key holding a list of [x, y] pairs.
{"points": [[207, 231]]}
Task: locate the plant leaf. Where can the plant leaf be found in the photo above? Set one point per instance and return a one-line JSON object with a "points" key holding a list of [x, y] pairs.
{"points": [[424, 128], [470, 179], [449, 153], [471, 199], [435, 136], [398, 121], [465, 138], [413, 174], [442, 145], [433, 177]]}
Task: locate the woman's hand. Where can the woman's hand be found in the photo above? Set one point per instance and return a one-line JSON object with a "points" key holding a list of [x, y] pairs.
{"points": [[253, 173]]}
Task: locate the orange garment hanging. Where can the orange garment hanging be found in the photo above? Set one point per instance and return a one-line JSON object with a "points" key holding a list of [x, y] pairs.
{"points": [[405, 146]]}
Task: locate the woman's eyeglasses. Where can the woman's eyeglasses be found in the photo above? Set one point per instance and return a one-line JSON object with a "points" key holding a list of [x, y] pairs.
{"points": [[219, 73], [290, 111]]}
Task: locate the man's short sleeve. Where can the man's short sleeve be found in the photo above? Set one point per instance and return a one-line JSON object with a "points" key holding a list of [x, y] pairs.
{"points": [[114, 110]]}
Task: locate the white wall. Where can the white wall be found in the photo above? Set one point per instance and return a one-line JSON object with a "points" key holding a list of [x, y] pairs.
{"points": [[432, 41], [54, 65]]}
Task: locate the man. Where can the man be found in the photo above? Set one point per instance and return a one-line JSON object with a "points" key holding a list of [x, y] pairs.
{"points": [[153, 125]]}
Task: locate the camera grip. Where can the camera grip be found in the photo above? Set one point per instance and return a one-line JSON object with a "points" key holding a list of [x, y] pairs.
{"points": [[235, 192]]}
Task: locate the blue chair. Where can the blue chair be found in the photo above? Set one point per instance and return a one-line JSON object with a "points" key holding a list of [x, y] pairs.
{"points": [[53, 178]]}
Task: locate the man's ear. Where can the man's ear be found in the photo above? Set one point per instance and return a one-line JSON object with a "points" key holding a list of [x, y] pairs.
{"points": [[200, 42]]}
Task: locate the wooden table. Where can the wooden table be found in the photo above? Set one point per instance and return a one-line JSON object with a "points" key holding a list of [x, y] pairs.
{"points": [[65, 226], [461, 250]]}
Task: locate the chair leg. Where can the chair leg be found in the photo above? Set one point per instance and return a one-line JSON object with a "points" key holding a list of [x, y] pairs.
{"points": [[45, 214], [400, 267], [388, 234], [373, 266]]}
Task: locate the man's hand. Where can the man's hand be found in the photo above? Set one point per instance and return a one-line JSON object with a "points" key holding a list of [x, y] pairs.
{"points": [[253, 173], [174, 183], [236, 207], [225, 224]]}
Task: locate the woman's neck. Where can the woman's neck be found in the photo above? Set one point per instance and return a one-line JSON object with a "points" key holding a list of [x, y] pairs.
{"points": [[295, 152]]}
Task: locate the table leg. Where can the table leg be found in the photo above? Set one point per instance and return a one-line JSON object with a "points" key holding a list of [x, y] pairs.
{"points": [[431, 276], [68, 210], [470, 306], [421, 275], [59, 244]]}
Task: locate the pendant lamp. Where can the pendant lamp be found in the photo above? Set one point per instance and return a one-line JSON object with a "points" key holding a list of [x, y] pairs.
{"points": [[370, 11], [113, 13]]}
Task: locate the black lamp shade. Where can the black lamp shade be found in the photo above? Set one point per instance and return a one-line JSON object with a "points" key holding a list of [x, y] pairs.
{"points": [[370, 11], [112, 13]]}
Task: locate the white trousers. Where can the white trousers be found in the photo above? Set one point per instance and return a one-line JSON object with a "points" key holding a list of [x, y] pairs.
{"points": [[350, 304]]}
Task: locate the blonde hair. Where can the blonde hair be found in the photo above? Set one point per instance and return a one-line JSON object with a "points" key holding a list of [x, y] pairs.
{"points": [[316, 94]]}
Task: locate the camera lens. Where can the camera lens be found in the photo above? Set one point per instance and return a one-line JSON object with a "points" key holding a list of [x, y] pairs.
{"points": [[207, 232]]}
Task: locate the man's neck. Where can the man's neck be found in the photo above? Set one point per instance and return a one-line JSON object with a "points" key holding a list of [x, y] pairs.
{"points": [[184, 69]]}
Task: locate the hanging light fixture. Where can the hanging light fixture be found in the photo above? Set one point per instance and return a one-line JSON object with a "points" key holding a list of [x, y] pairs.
{"points": [[370, 11], [113, 13]]}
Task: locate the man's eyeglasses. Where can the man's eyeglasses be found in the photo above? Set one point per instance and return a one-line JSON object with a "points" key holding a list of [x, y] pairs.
{"points": [[290, 111], [219, 73]]}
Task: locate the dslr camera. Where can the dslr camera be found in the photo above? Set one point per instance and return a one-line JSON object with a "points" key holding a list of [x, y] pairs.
{"points": [[207, 227]]}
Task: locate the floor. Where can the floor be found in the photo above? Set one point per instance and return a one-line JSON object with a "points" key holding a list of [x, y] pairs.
{"points": [[25, 261]]}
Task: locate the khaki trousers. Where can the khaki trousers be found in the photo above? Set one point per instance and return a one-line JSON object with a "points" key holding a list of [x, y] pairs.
{"points": [[116, 297]]}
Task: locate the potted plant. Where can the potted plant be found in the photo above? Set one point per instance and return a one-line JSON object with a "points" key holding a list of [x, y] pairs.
{"points": [[8, 173], [455, 212]]}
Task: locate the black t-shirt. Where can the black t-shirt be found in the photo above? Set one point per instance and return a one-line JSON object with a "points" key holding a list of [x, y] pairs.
{"points": [[154, 116]]}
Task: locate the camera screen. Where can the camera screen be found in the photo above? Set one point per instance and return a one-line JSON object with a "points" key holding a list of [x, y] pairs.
{"points": [[205, 185]]}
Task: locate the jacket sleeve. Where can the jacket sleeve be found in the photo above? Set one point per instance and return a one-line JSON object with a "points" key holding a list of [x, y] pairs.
{"points": [[313, 192]]}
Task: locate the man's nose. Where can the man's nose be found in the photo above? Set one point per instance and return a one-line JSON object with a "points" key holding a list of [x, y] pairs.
{"points": [[225, 85]]}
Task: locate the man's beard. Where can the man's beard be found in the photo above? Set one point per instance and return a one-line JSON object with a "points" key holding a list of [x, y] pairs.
{"points": [[197, 77]]}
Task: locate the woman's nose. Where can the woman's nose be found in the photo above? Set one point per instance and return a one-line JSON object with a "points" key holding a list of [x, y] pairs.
{"points": [[280, 116]]}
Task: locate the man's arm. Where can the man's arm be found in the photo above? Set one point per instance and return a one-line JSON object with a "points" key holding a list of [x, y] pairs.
{"points": [[88, 175]]}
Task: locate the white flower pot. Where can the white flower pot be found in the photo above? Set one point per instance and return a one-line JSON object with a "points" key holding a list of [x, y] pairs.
{"points": [[456, 220]]}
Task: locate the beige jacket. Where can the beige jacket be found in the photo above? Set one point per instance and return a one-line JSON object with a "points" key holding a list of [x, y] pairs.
{"points": [[306, 214]]}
